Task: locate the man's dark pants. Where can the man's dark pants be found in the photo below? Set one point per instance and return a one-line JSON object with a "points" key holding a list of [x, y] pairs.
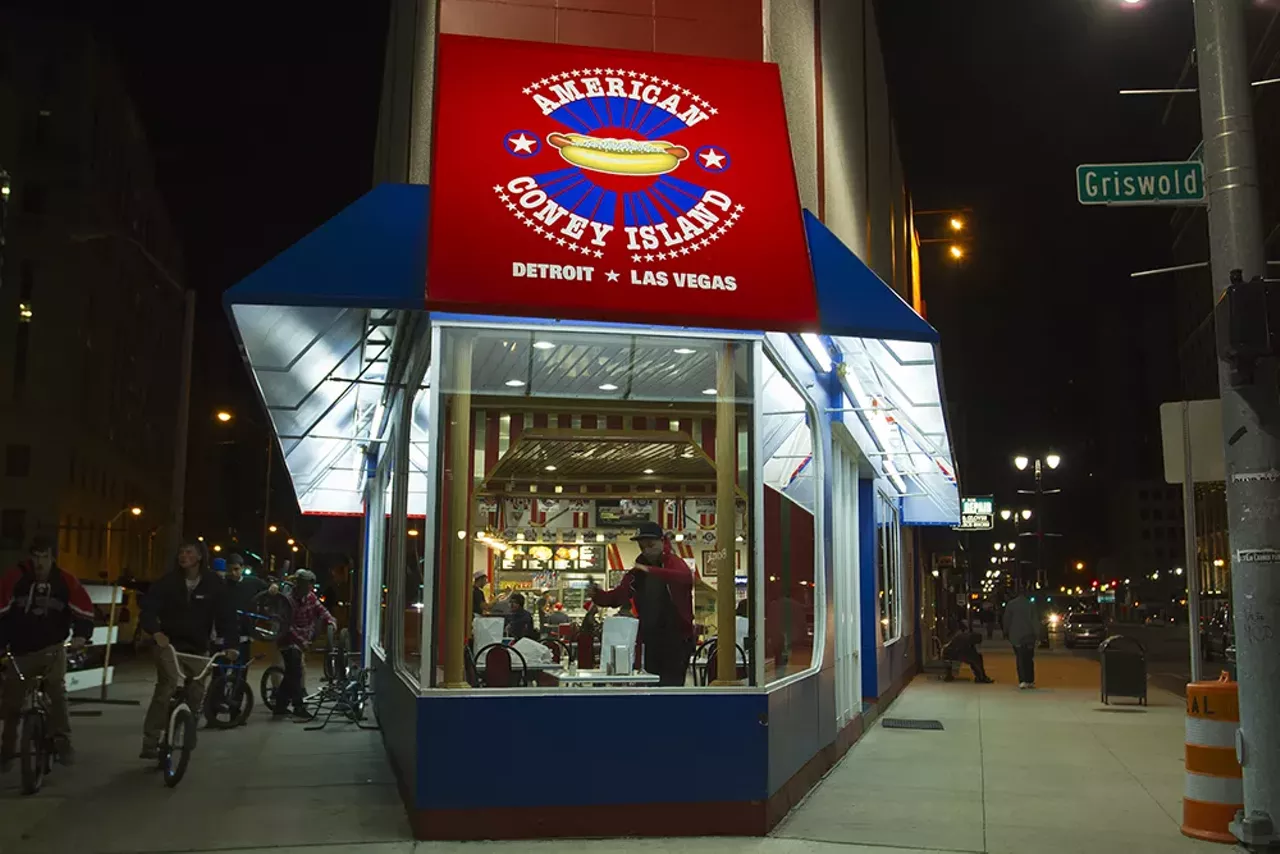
{"points": [[1025, 654], [290, 690], [669, 661]]}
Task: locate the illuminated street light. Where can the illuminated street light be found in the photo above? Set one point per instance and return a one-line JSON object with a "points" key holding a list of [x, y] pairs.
{"points": [[413, 532], [1005, 514], [995, 559], [217, 548], [1053, 461], [290, 541], [295, 549], [957, 252], [1026, 514], [1011, 546], [1079, 566], [273, 529], [1178, 571], [224, 416], [957, 224], [137, 511], [1021, 463]]}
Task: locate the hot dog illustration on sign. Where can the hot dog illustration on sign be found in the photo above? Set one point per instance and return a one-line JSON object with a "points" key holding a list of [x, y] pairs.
{"points": [[616, 185]]}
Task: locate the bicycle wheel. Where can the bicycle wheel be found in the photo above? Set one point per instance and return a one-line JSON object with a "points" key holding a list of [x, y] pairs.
{"points": [[228, 701], [33, 746], [267, 689], [182, 738]]}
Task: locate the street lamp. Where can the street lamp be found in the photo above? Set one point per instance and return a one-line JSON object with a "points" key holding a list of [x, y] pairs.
{"points": [[1021, 462], [956, 252], [956, 223], [223, 416], [272, 528], [1079, 566], [1005, 514]]}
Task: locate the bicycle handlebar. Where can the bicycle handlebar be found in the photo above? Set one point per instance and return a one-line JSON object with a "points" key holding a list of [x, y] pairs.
{"points": [[209, 661]]}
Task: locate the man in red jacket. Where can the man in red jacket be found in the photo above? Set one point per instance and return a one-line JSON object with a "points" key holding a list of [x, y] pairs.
{"points": [[660, 587], [40, 605]]}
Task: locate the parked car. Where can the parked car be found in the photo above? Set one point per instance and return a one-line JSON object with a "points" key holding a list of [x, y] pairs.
{"points": [[1085, 629], [1218, 637]]}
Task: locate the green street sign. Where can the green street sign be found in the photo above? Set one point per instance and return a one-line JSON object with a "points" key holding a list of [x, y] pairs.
{"points": [[1178, 183]]}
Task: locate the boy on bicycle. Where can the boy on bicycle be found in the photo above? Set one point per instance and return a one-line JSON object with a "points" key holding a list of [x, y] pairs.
{"points": [[308, 611], [183, 609], [40, 604]]}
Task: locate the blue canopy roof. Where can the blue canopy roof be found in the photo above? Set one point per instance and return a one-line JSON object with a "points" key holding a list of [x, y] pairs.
{"points": [[373, 254]]}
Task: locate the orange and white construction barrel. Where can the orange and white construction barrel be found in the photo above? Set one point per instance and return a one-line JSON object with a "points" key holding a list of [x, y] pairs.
{"points": [[1214, 785]]}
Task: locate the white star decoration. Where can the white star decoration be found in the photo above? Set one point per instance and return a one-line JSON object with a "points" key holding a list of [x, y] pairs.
{"points": [[611, 275], [522, 144], [713, 158]]}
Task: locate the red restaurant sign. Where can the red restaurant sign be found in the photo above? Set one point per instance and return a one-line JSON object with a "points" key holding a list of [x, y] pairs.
{"points": [[614, 185]]}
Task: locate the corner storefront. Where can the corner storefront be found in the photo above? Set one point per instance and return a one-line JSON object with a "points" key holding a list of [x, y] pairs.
{"points": [[608, 309]]}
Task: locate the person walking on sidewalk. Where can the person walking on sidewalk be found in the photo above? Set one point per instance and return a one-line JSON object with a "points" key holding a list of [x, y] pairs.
{"points": [[183, 609], [1021, 629], [40, 605]]}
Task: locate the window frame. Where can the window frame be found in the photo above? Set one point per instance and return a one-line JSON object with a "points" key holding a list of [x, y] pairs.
{"points": [[770, 351], [888, 500], [442, 323]]}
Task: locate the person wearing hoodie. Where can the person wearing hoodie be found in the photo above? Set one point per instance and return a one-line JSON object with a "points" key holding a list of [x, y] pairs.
{"points": [[182, 610], [40, 604], [1021, 627], [660, 588]]}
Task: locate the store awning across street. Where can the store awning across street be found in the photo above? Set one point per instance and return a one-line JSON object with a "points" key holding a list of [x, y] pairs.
{"points": [[316, 326]]}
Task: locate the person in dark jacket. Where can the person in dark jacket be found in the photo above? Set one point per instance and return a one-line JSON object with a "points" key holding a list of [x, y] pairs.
{"points": [[963, 647], [519, 623], [183, 609], [243, 589], [660, 588], [1021, 630], [40, 604]]}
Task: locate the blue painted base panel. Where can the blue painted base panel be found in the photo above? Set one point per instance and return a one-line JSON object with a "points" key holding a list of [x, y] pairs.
{"points": [[669, 748]]}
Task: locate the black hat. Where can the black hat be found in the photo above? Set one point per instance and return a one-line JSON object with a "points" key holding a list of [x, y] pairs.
{"points": [[649, 531]]}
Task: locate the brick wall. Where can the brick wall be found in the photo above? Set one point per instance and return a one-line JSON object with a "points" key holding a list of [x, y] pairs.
{"points": [[731, 29]]}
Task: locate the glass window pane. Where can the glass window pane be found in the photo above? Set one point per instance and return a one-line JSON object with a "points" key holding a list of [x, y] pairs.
{"points": [[572, 442], [790, 527], [888, 566]]}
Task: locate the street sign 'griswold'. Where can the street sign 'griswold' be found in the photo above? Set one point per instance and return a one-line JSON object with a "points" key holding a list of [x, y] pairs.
{"points": [[1177, 183]]}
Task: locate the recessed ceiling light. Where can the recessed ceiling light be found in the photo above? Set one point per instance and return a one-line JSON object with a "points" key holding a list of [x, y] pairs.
{"points": [[648, 471], [515, 383], [608, 387], [708, 391], [684, 351], [549, 468], [543, 345]]}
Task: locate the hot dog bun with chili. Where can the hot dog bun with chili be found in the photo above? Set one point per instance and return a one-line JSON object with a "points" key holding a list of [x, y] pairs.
{"points": [[618, 156]]}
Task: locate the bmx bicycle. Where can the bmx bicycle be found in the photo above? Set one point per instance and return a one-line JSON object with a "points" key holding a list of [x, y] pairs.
{"points": [[36, 746], [179, 737], [229, 700]]}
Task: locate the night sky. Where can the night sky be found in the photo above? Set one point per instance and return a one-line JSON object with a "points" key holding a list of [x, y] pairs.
{"points": [[262, 116]]}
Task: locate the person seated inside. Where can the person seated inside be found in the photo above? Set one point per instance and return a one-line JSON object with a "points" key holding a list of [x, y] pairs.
{"points": [[557, 617], [963, 647], [519, 622]]}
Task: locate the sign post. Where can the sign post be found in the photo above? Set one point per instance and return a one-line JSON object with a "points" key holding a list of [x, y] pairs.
{"points": [[1177, 183]]}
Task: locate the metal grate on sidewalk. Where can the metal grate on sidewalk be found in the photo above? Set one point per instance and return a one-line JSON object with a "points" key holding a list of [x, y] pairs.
{"points": [[910, 723]]}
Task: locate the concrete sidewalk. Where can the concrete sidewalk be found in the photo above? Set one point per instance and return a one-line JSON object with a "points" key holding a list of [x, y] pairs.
{"points": [[1013, 771]]}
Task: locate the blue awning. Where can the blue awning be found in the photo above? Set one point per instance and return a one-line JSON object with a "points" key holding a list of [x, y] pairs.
{"points": [[372, 254], [852, 300], [315, 327]]}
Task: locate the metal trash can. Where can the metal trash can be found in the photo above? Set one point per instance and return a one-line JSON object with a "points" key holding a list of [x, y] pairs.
{"points": [[1124, 669]]}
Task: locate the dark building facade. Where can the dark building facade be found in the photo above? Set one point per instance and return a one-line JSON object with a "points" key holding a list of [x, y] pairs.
{"points": [[90, 321]]}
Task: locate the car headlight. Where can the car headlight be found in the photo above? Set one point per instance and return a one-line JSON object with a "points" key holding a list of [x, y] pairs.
{"points": [[1054, 619]]}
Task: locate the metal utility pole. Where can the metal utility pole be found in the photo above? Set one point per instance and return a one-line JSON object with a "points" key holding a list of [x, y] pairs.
{"points": [[1250, 411]]}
